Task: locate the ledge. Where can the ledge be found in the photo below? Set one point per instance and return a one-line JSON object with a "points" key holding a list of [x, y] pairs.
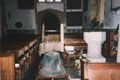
{"points": [[97, 30]]}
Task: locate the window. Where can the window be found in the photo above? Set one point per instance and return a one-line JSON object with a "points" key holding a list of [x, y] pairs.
{"points": [[41, 0], [49, 0], [57, 0], [74, 19], [74, 4], [74, 13]]}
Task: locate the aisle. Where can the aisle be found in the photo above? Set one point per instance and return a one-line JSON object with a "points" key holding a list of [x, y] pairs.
{"points": [[31, 73], [73, 72]]}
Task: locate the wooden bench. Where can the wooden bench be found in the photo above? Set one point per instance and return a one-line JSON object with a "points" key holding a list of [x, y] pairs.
{"points": [[101, 71], [16, 50]]}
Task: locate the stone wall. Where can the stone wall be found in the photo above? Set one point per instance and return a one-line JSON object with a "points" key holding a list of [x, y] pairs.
{"points": [[0, 19]]}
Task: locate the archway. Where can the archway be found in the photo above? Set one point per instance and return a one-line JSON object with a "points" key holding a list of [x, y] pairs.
{"points": [[52, 30], [51, 24]]}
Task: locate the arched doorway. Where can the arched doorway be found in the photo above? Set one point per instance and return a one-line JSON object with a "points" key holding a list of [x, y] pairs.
{"points": [[51, 24], [52, 30]]}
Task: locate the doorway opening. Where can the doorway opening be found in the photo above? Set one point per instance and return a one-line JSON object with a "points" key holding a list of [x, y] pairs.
{"points": [[51, 24], [51, 28]]}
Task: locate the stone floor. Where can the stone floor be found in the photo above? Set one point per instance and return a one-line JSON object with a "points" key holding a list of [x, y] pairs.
{"points": [[31, 73]]}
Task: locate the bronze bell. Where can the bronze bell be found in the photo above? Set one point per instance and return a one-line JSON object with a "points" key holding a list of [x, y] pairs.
{"points": [[52, 65]]}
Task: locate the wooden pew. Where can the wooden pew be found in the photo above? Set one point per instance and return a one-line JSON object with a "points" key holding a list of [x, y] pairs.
{"points": [[101, 71], [16, 51], [7, 66]]}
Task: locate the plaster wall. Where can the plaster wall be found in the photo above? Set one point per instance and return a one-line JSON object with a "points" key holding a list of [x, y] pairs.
{"points": [[111, 18], [115, 3]]}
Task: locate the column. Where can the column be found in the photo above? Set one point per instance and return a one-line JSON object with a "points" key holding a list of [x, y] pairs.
{"points": [[43, 32], [95, 41], [62, 36]]}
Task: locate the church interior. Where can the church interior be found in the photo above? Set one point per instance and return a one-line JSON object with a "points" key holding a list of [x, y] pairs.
{"points": [[59, 39]]}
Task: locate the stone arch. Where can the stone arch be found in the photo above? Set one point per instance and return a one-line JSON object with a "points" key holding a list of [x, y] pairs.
{"points": [[42, 14], [51, 23]]}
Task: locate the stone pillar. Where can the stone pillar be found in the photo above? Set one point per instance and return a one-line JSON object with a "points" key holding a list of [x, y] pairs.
{"points": [[43, 32], [62, 36], [94, 41]]}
